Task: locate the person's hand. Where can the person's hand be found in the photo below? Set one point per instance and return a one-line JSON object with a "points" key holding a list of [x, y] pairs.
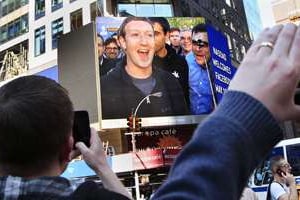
{"points": [[270, 74], [289, 178], [94, 156]]}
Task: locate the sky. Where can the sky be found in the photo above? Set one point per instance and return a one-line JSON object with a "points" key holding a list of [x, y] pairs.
{"points": [[266, 13]]}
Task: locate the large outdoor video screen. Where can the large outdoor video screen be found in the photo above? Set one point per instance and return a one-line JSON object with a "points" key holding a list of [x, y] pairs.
{"points": [[174, 88]]}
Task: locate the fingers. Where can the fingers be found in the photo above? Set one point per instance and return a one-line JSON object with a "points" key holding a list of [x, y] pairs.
{"points": [[267, 35], [294, 53], [285, 40], [82, 147], [74, 154], [95, 139], [270, 37]]}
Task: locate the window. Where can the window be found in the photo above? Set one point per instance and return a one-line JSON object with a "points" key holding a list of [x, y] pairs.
{"points": [[24, 24], [39, 9], [293, 155], [8, 6], [57, 30], [56, 4], [3, 34], [262, 173], [93, 8], [162, 8], [76, 19], [39, 37], [13, 29]]}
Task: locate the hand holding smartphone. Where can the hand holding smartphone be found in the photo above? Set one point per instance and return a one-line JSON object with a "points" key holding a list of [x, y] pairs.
{"points": [[280, 172], [81, 128]]}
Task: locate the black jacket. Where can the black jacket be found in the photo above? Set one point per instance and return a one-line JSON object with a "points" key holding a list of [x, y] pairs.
{"points": [[176, 65], [107, 65], [120, 96], [91, 191]]}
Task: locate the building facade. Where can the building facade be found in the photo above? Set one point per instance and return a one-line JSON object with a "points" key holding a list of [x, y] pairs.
{"points": [[286, 11], [30, 30], [253, 17]]}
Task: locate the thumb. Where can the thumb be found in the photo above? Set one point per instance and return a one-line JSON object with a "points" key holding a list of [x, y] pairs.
{"points": [[82, 147]]}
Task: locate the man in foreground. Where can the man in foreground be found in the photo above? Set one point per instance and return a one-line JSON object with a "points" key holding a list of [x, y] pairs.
{"points": [[36, 144]]}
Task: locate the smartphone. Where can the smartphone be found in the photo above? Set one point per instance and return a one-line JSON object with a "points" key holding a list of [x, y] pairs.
{"points": [[280, 172], [81, 127]]}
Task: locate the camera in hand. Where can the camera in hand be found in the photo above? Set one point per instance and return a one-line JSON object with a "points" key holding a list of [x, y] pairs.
{"points": [[81, 127]]}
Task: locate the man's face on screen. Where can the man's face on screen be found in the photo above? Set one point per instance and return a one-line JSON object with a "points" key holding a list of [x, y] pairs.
{"points": [[138, 44], [100, 47], [186, 40], [175, 38], [200, 47], [160, 37]]}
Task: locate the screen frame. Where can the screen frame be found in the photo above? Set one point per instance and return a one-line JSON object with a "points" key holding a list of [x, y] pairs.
{"points": [[146, 121]]}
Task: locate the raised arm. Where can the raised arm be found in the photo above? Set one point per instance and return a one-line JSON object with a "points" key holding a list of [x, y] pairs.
{"points": [[96, 159], [229, 144]]}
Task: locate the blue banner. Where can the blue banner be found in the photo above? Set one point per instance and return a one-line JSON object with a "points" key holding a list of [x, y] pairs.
{"points": [[51, 73], [222, 68]]}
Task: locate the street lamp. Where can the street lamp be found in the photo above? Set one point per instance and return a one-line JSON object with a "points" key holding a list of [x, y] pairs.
{"points": [[133, 141]]}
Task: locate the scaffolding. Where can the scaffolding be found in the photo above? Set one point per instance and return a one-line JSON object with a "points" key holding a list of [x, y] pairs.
{"points": [[13, 64]]}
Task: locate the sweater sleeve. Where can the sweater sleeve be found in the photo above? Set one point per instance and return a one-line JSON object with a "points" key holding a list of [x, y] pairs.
{"points": [[224, 150]]}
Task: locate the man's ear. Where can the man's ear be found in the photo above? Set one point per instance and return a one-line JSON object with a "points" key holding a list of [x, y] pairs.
{"points": [[167, 37], [122, 42], [65, 153]]}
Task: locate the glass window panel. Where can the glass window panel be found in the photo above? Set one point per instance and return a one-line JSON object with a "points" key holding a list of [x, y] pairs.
{"points": [[11, 5], [76, 19], [164, 10], [57, 30], [15, 28], [93, 8], [3, 36], [11, 30], [40, 41], [293, 156], [146, 10], [56, 4], [39, 8]]}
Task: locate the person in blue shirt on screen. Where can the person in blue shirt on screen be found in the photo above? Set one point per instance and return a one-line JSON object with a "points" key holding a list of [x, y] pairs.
{"points": [[200, 78]]}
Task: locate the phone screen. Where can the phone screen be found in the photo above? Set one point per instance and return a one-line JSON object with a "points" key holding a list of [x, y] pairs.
{"points": [[81, 127]]}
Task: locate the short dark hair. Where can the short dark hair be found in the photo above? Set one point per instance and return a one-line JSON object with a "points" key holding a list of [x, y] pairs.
{"points": [[36, 118], [173, 29], [162, 21], [121, 30], [199, 28], [110, 40], [100, 36]]}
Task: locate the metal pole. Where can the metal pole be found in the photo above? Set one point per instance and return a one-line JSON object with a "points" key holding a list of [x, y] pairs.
{"points": [[133, 141], [136, 175]]}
